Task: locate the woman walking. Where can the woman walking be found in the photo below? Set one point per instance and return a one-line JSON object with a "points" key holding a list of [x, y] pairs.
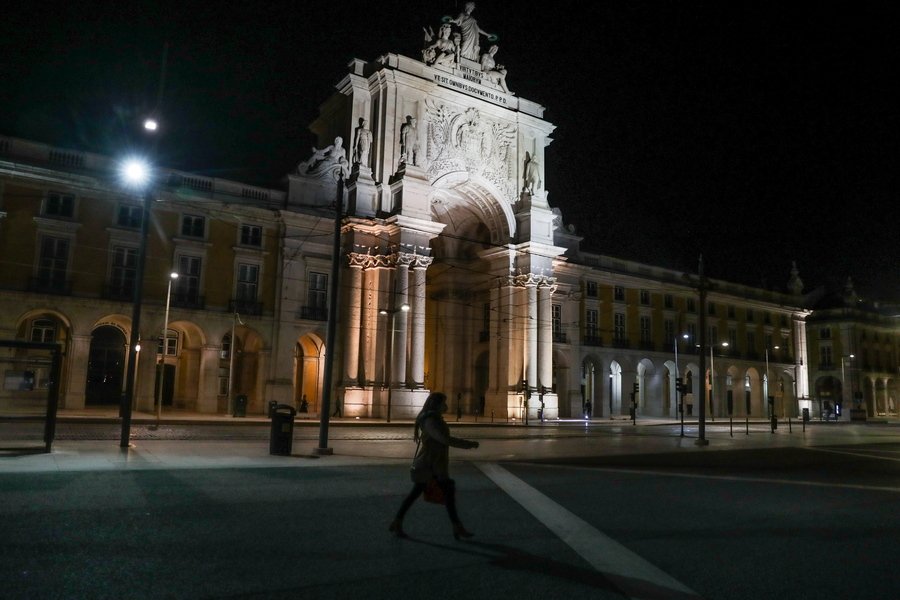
{"points": [[432, 459]]}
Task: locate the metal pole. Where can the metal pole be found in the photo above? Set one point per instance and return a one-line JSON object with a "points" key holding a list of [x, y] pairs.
{"points": [[676, 370], [701, 429], [137, 300], [712, 376], [390, 364], [162, 359], [330, 334]]}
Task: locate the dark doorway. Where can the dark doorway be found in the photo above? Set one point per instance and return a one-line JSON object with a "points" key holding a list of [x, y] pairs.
{"points": [[106, 367], [168, 384]]}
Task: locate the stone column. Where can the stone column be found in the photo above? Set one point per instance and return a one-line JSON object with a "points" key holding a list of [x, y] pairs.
{"points": [[207, 393], [353, 320], [531, 334], [401, 297], [77, 380], [417, 354], [545, 335]]}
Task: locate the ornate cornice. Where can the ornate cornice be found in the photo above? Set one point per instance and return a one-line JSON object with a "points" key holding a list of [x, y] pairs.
{"points": [[389, 261]]}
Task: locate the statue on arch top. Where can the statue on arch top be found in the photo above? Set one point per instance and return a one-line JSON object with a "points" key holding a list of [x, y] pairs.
{"points": [[443, 51], [326, 160], [471, 32]]}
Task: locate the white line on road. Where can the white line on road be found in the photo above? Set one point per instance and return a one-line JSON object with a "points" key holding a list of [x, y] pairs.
{"points": [[629, 572], [875, 456], [849, 486]]}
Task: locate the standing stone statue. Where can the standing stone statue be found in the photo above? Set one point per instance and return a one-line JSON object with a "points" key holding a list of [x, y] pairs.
{"points": [[362, 144], [409, 142], [532, 174], [471, 43]]}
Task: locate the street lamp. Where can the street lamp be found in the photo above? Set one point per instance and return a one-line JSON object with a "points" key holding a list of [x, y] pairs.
{"points": [[712, 377], [390, 355], [675, 343], [165, 347], [843, 376], [137, 175]]}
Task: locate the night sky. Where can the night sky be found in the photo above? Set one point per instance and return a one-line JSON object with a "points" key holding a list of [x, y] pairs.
{"points": [[755, 133]]}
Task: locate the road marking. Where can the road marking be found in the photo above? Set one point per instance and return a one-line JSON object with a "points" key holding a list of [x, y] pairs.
{"points": [[875, 456], [849, 486], [630, 573]]}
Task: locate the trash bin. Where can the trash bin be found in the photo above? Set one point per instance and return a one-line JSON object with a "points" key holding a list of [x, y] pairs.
{"points": [[282, 435], [806, 415], [240, 406]]}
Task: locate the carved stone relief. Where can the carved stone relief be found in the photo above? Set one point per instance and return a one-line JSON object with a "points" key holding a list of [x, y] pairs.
{"points": [[467, 141]]}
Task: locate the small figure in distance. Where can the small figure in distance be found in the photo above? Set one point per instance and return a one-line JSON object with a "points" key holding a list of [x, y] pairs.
{"points": [[432, 461]]}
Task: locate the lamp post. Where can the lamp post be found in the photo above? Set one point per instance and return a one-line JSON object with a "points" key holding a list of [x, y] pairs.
{"points": [[712, 377], [135, 174], [675, 343], [165, 348], [843, 376], [390, 355], [766, 378], [235, 319]]}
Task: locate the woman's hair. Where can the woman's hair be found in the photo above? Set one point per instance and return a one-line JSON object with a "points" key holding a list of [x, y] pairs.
{"points": [[433, 402], [432, 405]]}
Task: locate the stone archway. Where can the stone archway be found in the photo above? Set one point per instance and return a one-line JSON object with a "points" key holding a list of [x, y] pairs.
{"points": [[309, 362]]}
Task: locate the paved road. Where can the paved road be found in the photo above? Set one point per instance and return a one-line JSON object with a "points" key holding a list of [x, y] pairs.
{"points": [[636, 513]]}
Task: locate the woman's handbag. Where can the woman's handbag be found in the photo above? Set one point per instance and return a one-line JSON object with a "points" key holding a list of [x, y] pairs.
{"points": [[433, 492]]}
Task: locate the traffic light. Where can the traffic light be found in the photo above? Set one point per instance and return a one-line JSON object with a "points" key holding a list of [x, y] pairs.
{"points": [[636, 388], [679, 384]]}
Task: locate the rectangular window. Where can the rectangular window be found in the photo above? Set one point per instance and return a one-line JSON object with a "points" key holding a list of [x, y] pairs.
{"points": [[248, 282], [187, 286], [43, 330], [193, 226], [711, 308], [668, 301], [618, 293], [124, 268], [53, 263], [619, 326], [732, 339], [825, 333], [556, 318], [591, 289], [645, 297], [691, 305], [731, 312], [692, 334], [129, 216], [769, 341], [591, 323], [251, 235], [825, 352], [646, 329], [712, 335], [59, 205], [669, 329], [317, 290], [751, 341], [171, 340], [750, 315]]}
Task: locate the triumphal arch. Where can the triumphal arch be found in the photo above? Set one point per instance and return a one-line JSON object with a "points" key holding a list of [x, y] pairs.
{"points": [[447, 250]]}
